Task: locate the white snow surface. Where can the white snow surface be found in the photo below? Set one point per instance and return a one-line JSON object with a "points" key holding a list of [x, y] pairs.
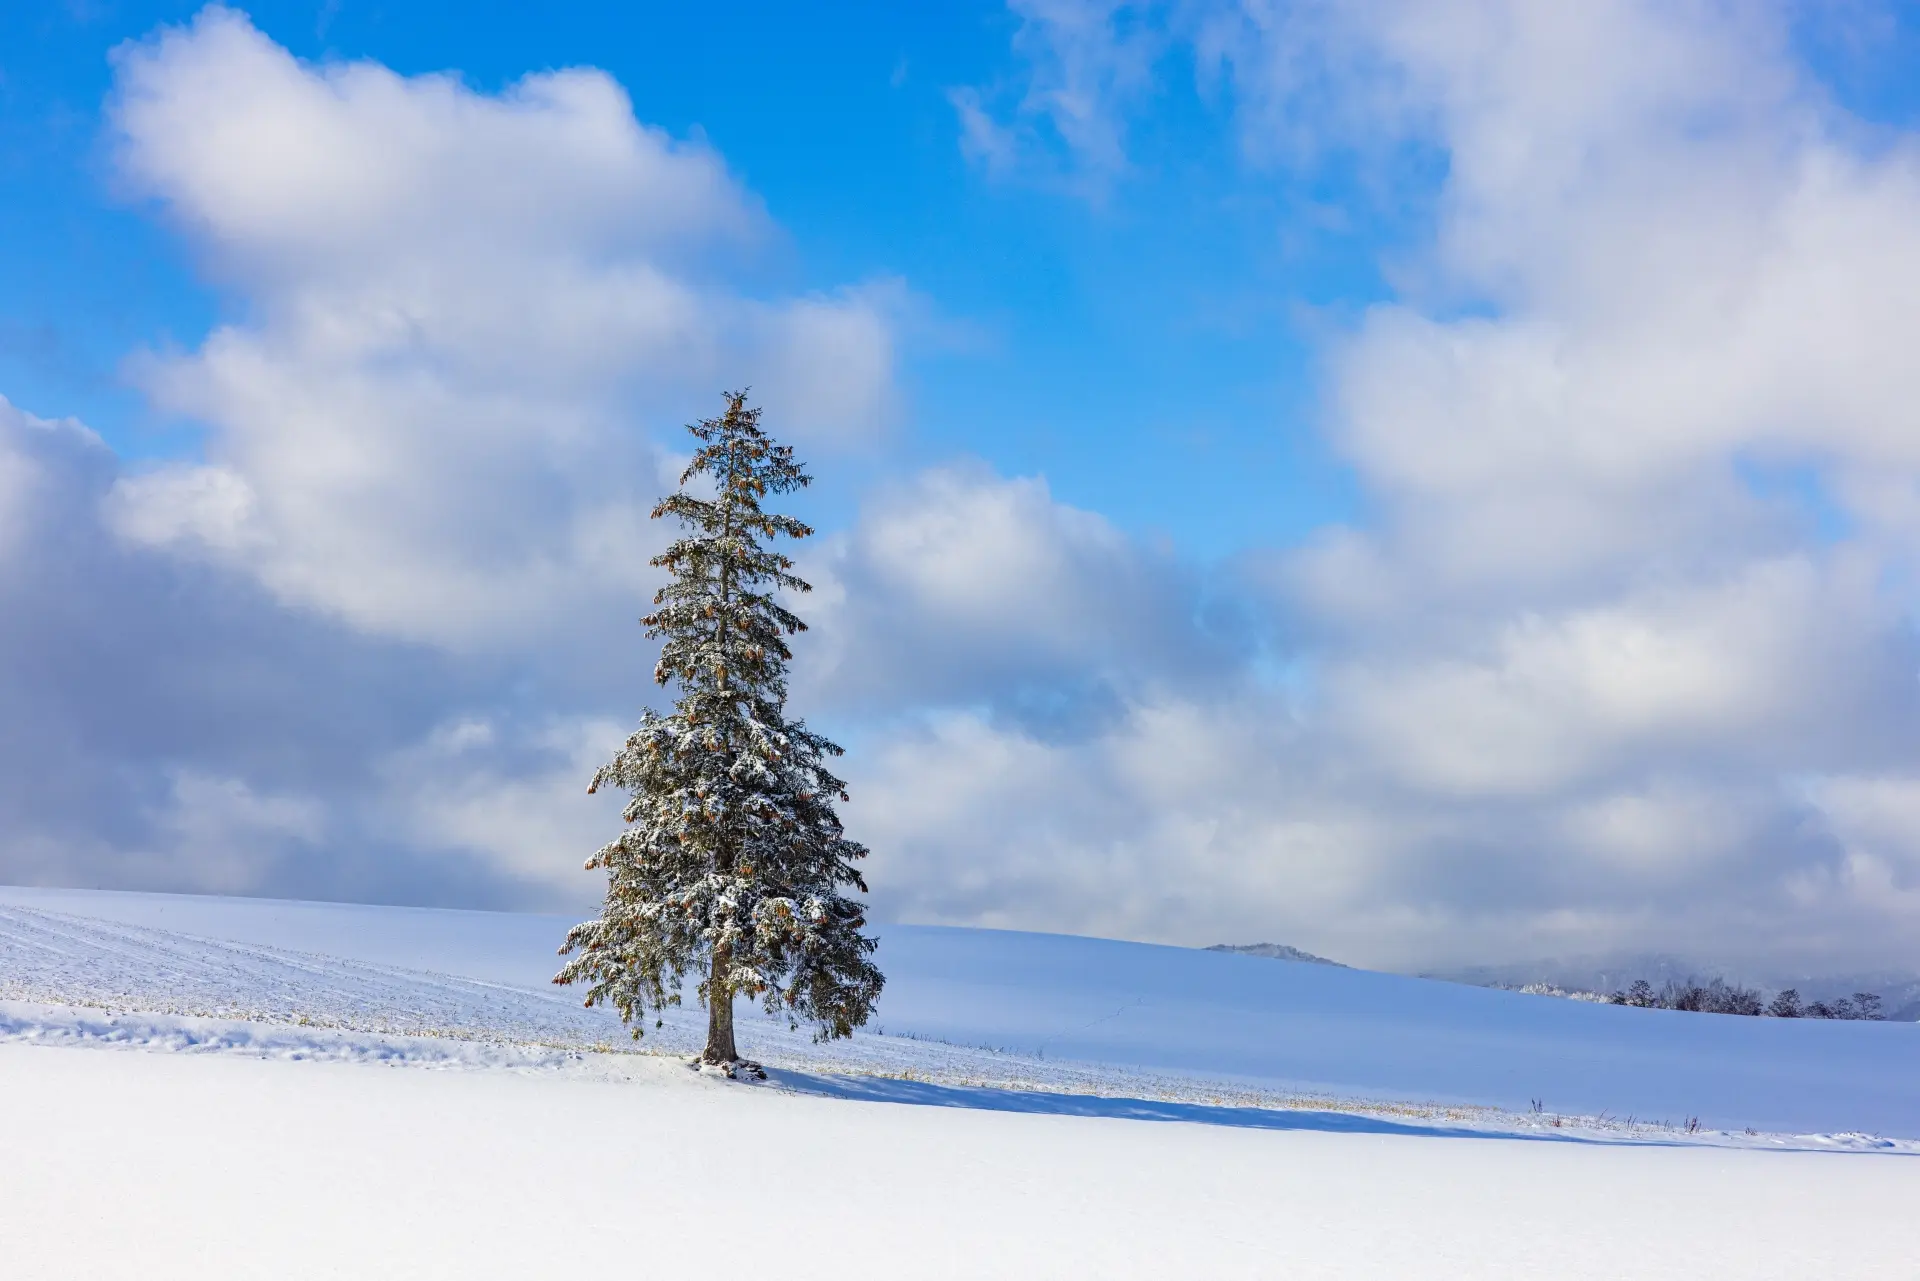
{"points": [[1078, 1108], [165, 1166]]}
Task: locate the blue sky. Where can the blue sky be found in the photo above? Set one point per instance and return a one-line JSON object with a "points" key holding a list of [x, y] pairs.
{"points": [[1359, 475], [1137, 349]]}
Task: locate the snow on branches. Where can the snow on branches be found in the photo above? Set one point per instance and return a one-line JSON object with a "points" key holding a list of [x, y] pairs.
{"points": [[733, 864]]}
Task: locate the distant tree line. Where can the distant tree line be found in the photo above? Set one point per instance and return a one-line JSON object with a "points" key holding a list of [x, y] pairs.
{"points": [[1721, 997]]}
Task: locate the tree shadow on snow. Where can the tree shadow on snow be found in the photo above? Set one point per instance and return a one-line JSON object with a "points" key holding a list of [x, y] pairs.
{"points": [[876, 1089]]}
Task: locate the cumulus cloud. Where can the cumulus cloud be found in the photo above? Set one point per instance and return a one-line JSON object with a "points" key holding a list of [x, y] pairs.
{"points": [[509, 796], [462, 311], [1623, 654], [958, 587], [166, 725]]}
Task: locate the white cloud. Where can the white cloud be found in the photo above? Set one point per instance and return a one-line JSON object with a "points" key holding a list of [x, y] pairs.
{"points": [[17, 476], [1089, 63], [182, 503], [1785, 662], [164, 725], [523, 811], [231, 834], [24, 439], [462, 310], [958, 586], [282, 163], [1877, 817]]}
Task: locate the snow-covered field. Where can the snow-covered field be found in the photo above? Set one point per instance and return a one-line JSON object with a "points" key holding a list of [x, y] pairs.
{"points": [[1013, 1120], [980, 1006]]}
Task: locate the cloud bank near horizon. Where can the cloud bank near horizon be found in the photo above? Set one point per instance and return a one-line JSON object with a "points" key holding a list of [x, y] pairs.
{"points": [[1623, 656]]}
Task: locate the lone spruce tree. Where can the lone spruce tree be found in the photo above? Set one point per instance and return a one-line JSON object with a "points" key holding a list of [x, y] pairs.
{"points": [[733, 864]]}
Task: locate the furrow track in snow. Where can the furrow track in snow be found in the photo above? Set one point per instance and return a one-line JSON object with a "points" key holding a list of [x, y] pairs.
{"points": [[54, 958]]}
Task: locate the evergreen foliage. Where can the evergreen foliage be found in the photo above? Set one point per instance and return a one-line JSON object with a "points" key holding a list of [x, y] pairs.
{"points": [[733, 864]]}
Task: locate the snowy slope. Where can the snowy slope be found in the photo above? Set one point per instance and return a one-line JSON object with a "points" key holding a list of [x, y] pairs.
{"points": [[970, 1005], [1319, 1028]]}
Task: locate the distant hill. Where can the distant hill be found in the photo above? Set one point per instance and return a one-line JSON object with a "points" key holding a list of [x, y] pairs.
{"points": [[1274, 951]]}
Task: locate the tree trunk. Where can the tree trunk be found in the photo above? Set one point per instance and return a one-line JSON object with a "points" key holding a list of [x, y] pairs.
{"points": [[720, 1048]]}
